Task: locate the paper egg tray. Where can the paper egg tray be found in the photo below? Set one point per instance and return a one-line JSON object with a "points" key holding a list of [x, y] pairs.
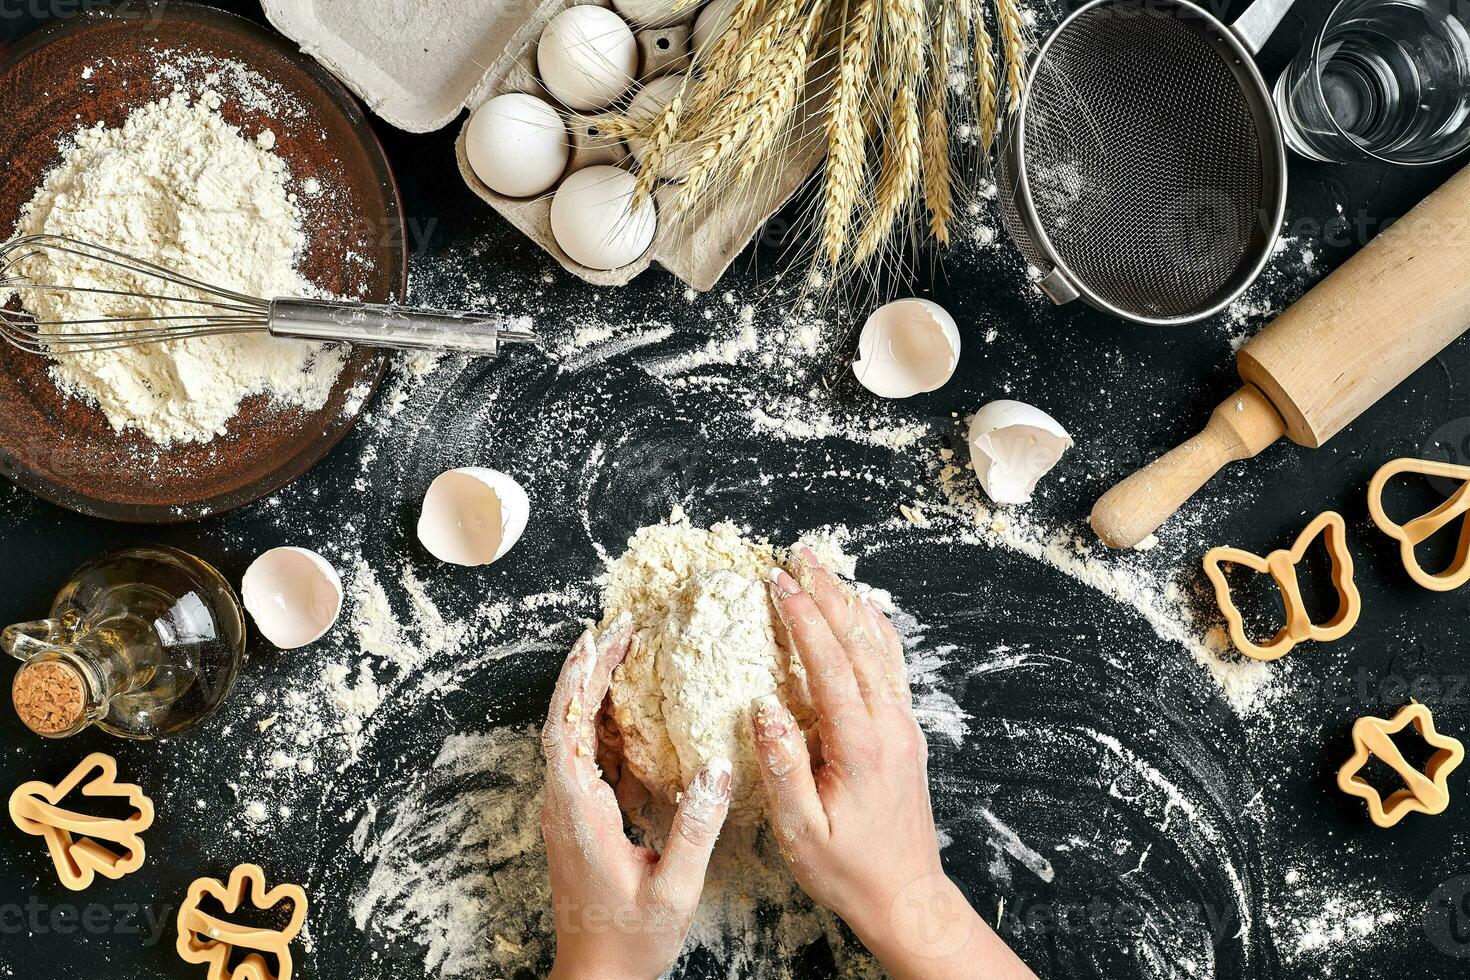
{"points": [[695, 249]]}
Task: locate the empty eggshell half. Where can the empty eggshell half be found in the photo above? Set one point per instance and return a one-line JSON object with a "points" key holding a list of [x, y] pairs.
{"points": [[472, 516], [1012, 446], [907, 347], [294, 596]]}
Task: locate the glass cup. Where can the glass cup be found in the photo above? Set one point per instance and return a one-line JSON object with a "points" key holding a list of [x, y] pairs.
{"points": [[1383, 80]]}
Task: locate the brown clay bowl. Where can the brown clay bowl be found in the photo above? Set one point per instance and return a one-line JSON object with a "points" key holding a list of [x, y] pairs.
{"points": [[99, 67]]}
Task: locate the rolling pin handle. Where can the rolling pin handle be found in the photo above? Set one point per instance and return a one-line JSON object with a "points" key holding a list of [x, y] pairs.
{"points": [[1240, 427]]}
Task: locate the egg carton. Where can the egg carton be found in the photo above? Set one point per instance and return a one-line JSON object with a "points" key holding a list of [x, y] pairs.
{"points": [[419, 63]]}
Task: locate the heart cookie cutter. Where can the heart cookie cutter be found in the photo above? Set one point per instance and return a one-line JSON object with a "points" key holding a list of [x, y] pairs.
{"points": [[1426, 792], [1281, 565], [209, 939], [75, 839], [1420, 529]]}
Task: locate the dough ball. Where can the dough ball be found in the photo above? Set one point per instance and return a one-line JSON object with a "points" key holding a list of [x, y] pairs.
{"points": [[683, 694]]}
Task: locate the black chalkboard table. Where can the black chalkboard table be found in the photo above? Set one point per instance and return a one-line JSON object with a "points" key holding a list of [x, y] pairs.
{"points": [[1118, 805]]}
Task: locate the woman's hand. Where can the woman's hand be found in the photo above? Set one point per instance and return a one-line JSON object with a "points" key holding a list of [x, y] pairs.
{"points": [[621, 911], [858, 830]]}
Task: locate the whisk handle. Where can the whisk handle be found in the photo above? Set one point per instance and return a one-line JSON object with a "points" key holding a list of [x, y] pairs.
{"points": [[394, 327]]}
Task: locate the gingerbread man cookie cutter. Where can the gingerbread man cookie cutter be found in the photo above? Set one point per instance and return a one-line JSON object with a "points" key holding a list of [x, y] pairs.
{"points": [[1426, 792], [1420, 529], [210, 939], [75, 840], [1281, 566]]}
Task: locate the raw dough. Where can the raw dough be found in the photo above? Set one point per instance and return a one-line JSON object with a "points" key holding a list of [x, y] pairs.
{"points": [[705, 647]]}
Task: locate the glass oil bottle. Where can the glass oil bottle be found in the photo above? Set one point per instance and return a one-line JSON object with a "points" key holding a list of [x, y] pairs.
{"points": [[142, 642]]}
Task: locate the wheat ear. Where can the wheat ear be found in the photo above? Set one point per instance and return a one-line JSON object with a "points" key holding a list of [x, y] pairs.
{"points": [[987, 86], [938, 186], [790, 80], [1013, 38], [716, 111], [902, 155], [717, 69], [618, 127], [656, 147], [900, 74], [845, 144], [723, 134]]}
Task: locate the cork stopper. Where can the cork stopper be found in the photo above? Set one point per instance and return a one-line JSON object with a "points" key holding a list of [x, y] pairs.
{"points": [[50, 697]]}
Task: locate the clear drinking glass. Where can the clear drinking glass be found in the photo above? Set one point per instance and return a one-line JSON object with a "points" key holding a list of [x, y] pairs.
{"points": [[1383, 79]]}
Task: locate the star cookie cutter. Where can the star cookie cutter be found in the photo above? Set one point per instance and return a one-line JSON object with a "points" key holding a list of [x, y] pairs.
{"points": [[1420, 529], [1281, 565], [210, 939], [75, 840], [1426, 792]]}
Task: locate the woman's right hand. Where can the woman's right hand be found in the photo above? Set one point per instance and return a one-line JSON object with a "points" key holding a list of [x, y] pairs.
{"points": [[858, 829]]}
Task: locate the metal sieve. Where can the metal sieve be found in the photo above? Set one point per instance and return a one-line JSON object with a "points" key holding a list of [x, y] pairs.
{"points": [[1144, 170]]}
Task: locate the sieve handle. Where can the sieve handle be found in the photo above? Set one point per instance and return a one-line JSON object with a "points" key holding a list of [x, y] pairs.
{"points": [[1257, 24]]}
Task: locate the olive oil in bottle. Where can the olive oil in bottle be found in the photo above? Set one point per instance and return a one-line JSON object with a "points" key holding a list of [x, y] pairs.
{"points": [[142, 642]]}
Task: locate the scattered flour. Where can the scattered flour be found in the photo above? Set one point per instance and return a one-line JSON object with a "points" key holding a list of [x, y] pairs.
{"points": [[1329, 927], [1248, 685]]}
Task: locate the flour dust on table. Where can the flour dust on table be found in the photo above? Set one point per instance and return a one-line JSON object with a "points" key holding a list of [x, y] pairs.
{"points": [[1088, 745]]}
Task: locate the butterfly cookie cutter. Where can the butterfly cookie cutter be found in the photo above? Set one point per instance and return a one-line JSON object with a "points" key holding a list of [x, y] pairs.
{"points": [[210, 939], [75, 840], [1416, 532], [1281, 565], [1426, 792]]}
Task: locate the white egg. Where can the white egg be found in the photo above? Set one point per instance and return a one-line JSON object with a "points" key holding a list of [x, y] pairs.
{"points": [[587, 57], [651, 100], [294, 596], [472, 516], [712, 22], [517, 145], [594, 221], [1012, 446], [649, 13], [907, 347]]}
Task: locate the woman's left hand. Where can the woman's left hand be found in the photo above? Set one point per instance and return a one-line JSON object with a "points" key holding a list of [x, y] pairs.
{"points": [[621, 911]]}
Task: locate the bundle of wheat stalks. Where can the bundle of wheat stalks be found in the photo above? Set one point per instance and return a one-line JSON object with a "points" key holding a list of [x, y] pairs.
{"points": [[882, 83]]}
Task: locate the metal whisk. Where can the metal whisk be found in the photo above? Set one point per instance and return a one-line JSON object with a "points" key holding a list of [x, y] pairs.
{"points": [[199, 309]]}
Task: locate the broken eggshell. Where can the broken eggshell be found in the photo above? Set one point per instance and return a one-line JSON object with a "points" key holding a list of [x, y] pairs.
{"points": [[1012, 446], [294, 596], [472, 516], [907, 347]]}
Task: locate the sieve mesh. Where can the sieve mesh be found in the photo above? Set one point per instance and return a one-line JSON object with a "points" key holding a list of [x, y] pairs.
{"points": [[1143, 160]]}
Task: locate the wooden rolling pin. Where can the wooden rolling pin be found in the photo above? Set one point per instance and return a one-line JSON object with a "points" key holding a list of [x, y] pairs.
{"points": [[1366, 327]]}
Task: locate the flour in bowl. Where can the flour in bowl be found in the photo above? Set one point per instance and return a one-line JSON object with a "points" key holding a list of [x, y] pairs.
{"points": [[179, 186]]}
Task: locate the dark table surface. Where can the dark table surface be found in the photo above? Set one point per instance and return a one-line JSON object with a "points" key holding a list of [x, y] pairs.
{"points": [[1099, 794]]}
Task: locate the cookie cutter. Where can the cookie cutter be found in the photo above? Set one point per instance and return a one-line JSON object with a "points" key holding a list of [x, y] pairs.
{"points": [[75, 839], [209, 939], [1281, 565], [1420, 529], [1426, 792]]}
